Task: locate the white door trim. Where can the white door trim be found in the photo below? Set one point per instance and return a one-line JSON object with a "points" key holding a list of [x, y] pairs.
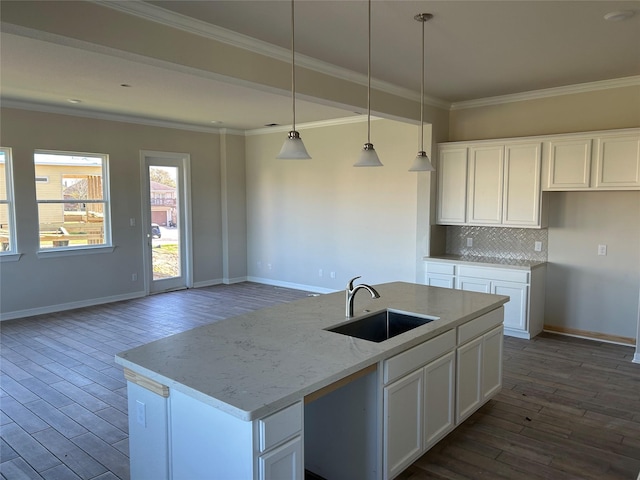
{"points": [[184, 159]]}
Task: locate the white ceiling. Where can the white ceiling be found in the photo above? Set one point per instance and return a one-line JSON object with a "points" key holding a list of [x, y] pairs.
{"points": [[474, 49]]}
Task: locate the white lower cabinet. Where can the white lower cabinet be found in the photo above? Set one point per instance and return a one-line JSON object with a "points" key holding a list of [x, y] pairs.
{"points": [[283, 463], [419, 411], [439, 280], [523, 313], [469, 377], [403, 418], [479, 372], [439, 396], [419, 406]]}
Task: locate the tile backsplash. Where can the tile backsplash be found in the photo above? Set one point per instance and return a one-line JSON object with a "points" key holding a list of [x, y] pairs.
{"points": [[498, 242]]}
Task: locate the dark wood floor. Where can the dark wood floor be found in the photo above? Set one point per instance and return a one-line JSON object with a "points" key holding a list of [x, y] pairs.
{"points": [[570, 409]]}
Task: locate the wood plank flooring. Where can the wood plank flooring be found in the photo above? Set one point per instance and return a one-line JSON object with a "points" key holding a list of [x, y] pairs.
{"points": [[570, 408]]}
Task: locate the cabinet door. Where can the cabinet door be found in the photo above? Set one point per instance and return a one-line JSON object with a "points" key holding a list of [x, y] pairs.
{"points": [[618, 162], [521, 205], [403, 422], [491, 363], [439, 398], [452, 186], [283, 463], [439, 280], [469, 378], [486, 169], [472, 284], [569, 164], [515, 310]]}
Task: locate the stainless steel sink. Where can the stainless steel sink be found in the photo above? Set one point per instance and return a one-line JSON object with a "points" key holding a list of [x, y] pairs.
{"points": [[381, 326]]}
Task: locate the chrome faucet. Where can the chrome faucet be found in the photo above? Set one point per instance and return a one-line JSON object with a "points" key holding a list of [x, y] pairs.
{"points": [[351, 293]]}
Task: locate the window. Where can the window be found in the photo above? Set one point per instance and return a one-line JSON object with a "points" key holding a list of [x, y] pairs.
{"points": [[7, 215], [73, 202]]}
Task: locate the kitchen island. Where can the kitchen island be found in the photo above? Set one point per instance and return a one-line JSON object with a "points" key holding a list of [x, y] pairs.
{"points": [[272, 392]]}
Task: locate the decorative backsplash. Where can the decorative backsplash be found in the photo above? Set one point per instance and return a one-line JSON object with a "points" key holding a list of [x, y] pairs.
{"points": [[498, 242]]}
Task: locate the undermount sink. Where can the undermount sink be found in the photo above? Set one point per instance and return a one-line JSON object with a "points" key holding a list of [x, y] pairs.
{"points": [[381, 326]]}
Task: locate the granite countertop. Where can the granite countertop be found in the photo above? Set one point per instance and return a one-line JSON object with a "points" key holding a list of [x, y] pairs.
{"points": [[257, 363], [488, 261]]}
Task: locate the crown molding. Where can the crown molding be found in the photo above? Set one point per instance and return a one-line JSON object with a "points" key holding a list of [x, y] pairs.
{"points": [[245, 42], [75, 112], [549, 92], [303, 126]]}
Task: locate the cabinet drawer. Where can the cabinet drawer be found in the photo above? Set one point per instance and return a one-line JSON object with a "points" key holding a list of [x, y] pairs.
{"points": [[480, 325], [280, 426], [504, 274], [415, 357], [444, 268]]}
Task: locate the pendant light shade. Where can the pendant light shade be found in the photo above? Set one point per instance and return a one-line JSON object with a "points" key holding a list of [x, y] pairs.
{"points": [[422, 162], [368, 156], [293, 148]]}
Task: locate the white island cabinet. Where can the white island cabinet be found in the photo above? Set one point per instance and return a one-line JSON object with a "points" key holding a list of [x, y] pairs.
{"points": [[273, 393]]}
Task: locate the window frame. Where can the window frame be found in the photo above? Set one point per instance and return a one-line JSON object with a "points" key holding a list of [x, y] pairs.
{"points": [[105, 202], [12, 253]]}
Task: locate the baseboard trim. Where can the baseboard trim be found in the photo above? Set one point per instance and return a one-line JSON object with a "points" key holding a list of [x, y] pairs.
{"points": [[516, 333], [294, 286], [208, 283], [603, 337], [30, 312]]}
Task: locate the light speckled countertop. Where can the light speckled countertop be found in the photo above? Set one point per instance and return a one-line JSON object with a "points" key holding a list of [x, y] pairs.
{"points": [[255, 364], [488, 261]]}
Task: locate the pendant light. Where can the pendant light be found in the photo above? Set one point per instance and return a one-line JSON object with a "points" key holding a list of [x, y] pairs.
{"points": [[368, 156], [421, 162], [293, 148]]}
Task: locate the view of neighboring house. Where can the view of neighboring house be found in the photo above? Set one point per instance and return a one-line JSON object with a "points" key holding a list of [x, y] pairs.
{"points": [[163, 204]]}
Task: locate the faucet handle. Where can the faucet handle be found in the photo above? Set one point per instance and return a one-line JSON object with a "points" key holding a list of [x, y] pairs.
{"points": [[350, 284]]}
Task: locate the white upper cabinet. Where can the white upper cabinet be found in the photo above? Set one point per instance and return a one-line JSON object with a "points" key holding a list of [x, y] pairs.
{"points": [[522, 202], [569, 164], [593, 161], [490, 183], [486, 183], [452, 186], [618, 161]]}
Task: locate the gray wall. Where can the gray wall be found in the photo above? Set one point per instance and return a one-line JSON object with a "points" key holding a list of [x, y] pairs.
{"points": [[34, 284], [586, 291], [323, 213]]}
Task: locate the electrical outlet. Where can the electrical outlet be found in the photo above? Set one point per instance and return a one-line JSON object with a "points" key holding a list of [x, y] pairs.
{"points": [[132, 222], [537, 246], [134, 277], [469, 242], [320, 272], [141, 413], [268, 266], [333, 274], [602, 250]]}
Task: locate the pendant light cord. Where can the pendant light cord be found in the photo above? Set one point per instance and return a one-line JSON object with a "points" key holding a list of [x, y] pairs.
{"points": [[293, 65], [422, 96], [369, 82]]}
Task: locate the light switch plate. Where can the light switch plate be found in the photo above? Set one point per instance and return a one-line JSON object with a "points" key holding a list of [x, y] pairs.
{"points": [[602, 249]]}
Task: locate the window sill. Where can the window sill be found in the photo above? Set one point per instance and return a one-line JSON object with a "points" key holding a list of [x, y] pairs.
{"points": [[10, 257], [69, 252]]}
